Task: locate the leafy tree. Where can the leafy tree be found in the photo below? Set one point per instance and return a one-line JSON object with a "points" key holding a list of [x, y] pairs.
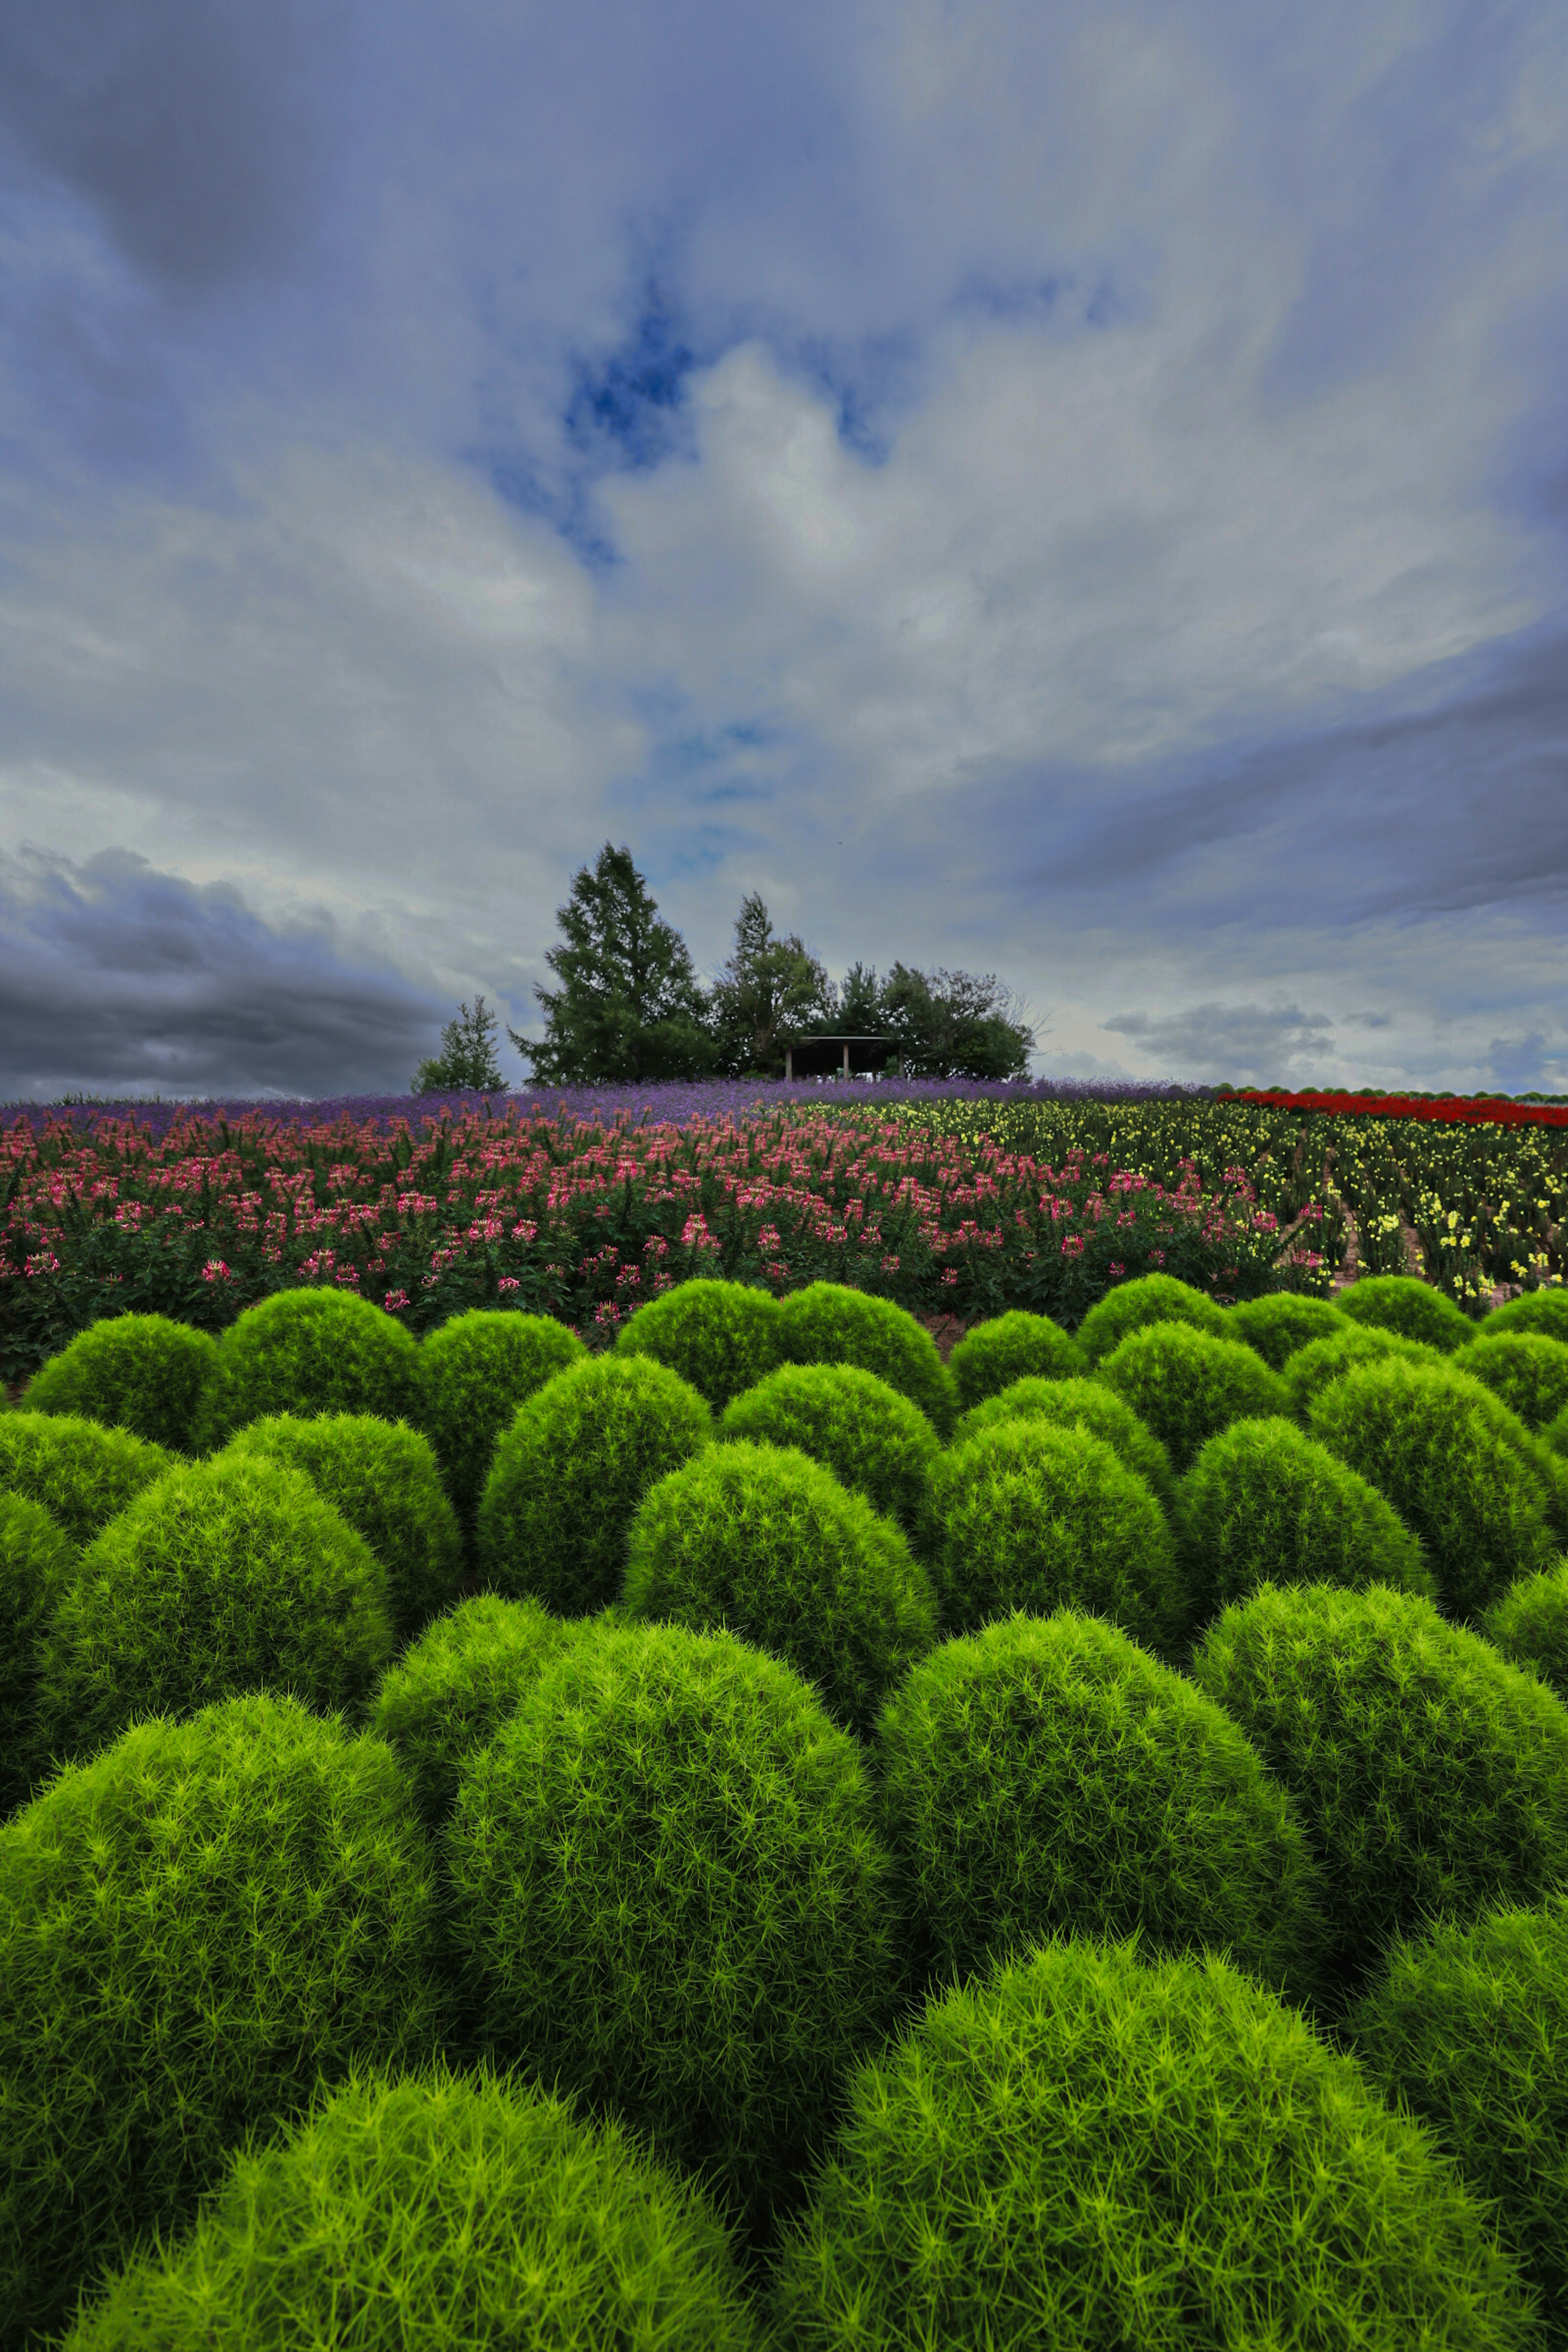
{"points": [[859, 1004], [629, 1005], [952, 1024], [467, 1056], [771, 990]]}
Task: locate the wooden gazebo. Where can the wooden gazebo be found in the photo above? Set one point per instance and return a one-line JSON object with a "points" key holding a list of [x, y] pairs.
{"points": [[813, 1057]]}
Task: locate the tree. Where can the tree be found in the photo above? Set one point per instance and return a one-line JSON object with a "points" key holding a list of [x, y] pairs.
{"points": [[771, 990], [952, 1024], [467, 1056], [859, 1013], [629, 1005]]}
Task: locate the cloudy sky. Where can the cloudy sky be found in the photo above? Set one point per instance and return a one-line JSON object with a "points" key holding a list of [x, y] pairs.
{"points": [[1071, 488]]}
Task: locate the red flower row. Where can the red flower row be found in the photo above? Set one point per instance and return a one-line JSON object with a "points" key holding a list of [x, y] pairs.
{"points": [[1451, 1110]]}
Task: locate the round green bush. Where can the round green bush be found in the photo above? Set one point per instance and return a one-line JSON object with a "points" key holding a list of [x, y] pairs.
{"points": [[871, 1437], [1398, 1302], [1526, 1369], [1468, 2027], [83, 1474], [1027, 1516], [1264, 1503], [1538, 1310], [1096, 2153], [669, 1895], [828, 1323], [455, 1687], [227, 1576], [1311, 1368], [569, 1474], [720, 1336], [1528, 1624], [146, 1373], [381, 1476], [1429, 1772], [764, 1541], [470, 1374], [440, 2210], [307, 1351], [191, 1926], [1439, 1448], [37, 1560], [1280, 1322], [1186, 1387], [1147, 1298], [1047, 1774], [1087, 1403], [1011, 1347]]}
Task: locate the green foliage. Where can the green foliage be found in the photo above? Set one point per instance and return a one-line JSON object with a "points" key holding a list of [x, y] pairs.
{"points": [[1526, 1369], [469, 1377], [570, 1472], [1088, 1404], [1187, 1387], [37, 1558], [381, 1476], [146, 1373], [82, 1473], [450, 2211], [771, 990], [1263, 1503], [1545, 1311], [952, 1024], [721, 1336], [1027, 1516], [225, 1577], [468, 1055], [670, 1898], [1528, 1624], [1147, 1298], [1012, 1347], [628, 1005], [1429, 1772], [1094, 2153], [872, 1439], [307, 1351], [764, 1541], [827, 1323], [1311, 1368], [1046, 1774], [1280, 1322], [1468, 2027], [191, 1926], [1440, 1448], [1398, 1302]]}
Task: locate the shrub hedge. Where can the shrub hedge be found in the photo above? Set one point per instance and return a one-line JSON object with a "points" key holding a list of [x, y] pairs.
{"points": [[1528, 1370], [827, 1323], [470, 1374], [1187, 1387], [1399, 1302], [1280, 1322], [305, 1351], [1147, 1298], [1012, 1347], [1537, 1310], [720, 1336], [36, 1561], [871, 1436], [1528, 1624], [1311, 1368], [83, 1474], [146, 1373], [1072, 1403]]}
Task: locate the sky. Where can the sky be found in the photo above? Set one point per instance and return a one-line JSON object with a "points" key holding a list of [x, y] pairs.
{"points": [[1076, 491]]}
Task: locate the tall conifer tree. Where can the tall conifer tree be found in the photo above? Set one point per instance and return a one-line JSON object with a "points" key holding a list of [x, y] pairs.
{"points": [[629, 1005]]}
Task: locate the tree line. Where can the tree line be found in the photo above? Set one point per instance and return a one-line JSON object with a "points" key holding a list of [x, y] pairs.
{"points": [[628, 1005]]}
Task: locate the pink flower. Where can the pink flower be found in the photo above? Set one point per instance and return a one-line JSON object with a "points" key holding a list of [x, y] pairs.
{"points": [[1073, 1245], [1117, 1269], [949, 1277], [214, 1270], [889, 1266], [507, 1282], [395, 1299]]}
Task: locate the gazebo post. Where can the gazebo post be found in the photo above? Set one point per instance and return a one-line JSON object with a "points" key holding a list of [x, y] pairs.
{"points": [[789, 1061], [846, 1058]]}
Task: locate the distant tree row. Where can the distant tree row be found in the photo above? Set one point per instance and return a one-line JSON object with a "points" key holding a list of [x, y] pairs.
{"points": [[628, 1004]]}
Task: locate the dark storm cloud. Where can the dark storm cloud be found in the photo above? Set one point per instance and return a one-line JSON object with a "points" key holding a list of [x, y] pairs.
{"points": [[1242, 1044], [116, 978]]}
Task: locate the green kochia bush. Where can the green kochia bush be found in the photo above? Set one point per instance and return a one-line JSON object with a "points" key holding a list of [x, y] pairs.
{"points": [[1538, 1310], [1093, 2152], [381, 1476], [1187, 1387], [670, 1898], [1311, 1368], [1147, 1298], [1528, 1624], [1525, 1369], [1429, 1772], [721, 1336], [827, 1323], [470, 1374], [1011, 1347], [866, 1433], [1398, 1302], [1450, 1459], [570, 1472], [146, 1373], [1026, 1515], [1088, 1404], [1047, 1774], [764, 1540], [1264, 1503], [441, 2209], [191, 1926], [83, 1474], [1280, 1322], [1469, 2028], [225, 1577], [36, 1557], [308, 1351]]}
